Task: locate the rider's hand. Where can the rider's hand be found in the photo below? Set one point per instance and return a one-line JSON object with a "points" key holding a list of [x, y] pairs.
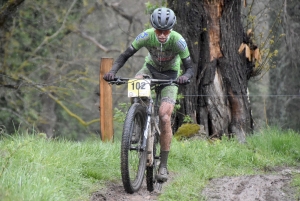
{"points": [[182, 80], [109, 76]]}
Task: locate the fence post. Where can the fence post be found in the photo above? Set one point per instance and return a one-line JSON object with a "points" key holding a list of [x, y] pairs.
{"points": [[106, 107]]}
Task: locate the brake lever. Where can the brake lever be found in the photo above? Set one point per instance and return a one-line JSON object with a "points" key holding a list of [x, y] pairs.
{"points": [[117, 81]]}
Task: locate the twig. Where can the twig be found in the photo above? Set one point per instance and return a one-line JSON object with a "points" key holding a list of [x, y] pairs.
{"points": [[81, 121], [46, 39], [58, 31], [90, 38]]}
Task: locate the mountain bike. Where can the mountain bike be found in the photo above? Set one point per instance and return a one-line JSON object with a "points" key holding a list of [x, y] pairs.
{"points": [[140, 149]]}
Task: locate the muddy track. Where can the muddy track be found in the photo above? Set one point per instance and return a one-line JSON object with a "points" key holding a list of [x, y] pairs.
{"points": [[115, 192], [273, 186]]}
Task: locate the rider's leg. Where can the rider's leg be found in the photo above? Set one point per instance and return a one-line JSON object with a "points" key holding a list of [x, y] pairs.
{"points": [[168, 100], [165, 112]]}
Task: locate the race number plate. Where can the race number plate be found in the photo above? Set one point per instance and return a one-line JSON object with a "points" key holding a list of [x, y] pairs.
{"points": [[139, 88]]}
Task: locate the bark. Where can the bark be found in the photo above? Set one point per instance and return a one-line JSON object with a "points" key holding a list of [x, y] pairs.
{"points": [[214, 32]]}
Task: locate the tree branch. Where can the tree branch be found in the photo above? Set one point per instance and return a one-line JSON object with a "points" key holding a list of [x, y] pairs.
{"points": [[93, 40], [81, 121], [46, 39], [58, 31], [119, 11], [116, 7]]}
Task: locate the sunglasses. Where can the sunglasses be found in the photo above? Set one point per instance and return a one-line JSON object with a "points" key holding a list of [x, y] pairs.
{"points": [[164, 32]]}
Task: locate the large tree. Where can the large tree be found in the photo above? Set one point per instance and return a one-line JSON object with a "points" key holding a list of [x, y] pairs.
{"points": [[214, 33]]}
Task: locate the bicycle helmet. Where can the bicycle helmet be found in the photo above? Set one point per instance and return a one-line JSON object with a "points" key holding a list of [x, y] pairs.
{"points": [[163, 19]]}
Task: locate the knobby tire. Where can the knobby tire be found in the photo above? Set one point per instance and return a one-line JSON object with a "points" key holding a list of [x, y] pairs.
{"points": [[133, 160], [152, 170]]}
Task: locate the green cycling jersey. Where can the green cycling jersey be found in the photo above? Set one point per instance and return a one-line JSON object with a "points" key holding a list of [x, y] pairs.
{"points": [[162, 56]]}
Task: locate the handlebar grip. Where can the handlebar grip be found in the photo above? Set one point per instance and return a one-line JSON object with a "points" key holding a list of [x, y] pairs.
{"points": [[188, 82]]}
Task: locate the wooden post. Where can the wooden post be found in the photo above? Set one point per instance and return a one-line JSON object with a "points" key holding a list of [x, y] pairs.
{"points": [[106, 108]]}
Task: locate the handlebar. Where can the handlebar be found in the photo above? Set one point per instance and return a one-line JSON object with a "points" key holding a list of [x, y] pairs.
{"points": [[120, 81]]}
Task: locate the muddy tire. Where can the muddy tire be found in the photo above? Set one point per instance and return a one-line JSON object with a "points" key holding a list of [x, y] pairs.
{"points": [[133, 160]]}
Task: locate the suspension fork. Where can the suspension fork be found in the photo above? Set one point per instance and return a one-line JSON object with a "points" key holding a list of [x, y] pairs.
{"points": [[148, 124], [158, 94], [151, 137], [153, 128]]}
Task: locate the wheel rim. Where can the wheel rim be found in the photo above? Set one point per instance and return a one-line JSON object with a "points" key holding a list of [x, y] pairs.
{"points": [[135, 153]]}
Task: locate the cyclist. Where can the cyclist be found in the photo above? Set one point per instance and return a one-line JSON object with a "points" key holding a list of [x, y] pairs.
{"points": [[166, 49]]}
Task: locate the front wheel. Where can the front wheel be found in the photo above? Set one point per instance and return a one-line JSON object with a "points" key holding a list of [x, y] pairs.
{"points": [[133, 159], [152, 170]]}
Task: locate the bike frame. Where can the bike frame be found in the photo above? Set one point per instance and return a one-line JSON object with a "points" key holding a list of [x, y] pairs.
{"points": [[151, 126], [147, 148]]}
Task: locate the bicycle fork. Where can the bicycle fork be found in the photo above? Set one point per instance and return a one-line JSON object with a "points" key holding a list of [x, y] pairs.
{"points": [[147, 127], [148, 137]]}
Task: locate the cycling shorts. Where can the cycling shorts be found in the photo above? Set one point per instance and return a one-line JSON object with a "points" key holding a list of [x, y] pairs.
{"points": [[168, 93]]}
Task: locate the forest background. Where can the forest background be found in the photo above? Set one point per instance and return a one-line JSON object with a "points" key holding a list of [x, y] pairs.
{"points": [[50, 59]]}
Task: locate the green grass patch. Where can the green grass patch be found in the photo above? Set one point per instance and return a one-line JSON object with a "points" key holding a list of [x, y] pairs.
{"points": [[296, 183], [34, 168], [196, 162]]}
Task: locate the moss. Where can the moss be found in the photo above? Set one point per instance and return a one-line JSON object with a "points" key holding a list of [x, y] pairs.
{"points": [[187, 131]]}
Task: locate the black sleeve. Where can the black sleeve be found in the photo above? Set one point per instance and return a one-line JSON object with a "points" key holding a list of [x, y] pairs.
{"points": [[122, 59], [188, 66]]}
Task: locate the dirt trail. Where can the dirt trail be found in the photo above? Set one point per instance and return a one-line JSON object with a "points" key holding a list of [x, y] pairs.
{"points": [[274, 186], [269, 187], [115, 192]]}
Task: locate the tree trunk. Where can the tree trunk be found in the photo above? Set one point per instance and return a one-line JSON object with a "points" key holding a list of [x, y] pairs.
{"points": [[214, 33]]}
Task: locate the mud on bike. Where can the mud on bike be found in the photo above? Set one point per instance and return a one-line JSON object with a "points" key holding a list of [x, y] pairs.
{"points": [[140, 145]]}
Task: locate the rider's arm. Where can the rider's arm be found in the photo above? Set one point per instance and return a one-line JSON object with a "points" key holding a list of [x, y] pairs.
{"points": [[122, 59], [188, 66]]}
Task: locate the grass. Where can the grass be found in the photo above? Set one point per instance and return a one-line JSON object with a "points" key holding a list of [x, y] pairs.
{"points": [[195, 163], [34, 168]]}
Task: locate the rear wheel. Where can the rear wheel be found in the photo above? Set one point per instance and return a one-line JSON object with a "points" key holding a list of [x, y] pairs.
{"points": [[133, 159]]}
